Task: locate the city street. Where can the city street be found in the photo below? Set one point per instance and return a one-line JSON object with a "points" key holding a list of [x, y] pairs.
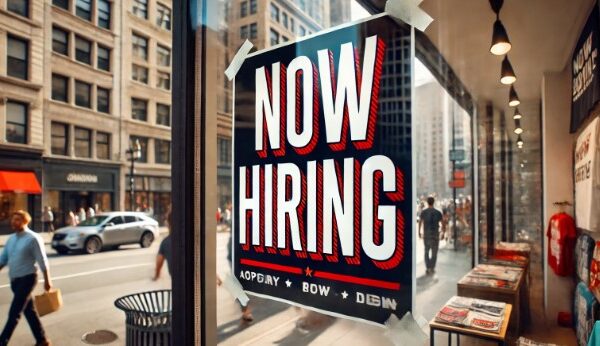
{"points": [[89, 284]]}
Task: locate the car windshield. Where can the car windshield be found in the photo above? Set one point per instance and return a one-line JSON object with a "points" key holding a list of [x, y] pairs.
{"points": [[93, 221]]}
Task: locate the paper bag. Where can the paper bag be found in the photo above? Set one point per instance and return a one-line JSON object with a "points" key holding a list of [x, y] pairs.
{"points": [[48, 302]]}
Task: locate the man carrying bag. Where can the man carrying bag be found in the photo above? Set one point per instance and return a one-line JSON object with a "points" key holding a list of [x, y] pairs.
{"points": [[22, 250]]}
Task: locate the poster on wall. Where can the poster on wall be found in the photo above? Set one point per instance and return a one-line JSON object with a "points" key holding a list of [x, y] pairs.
{"points": [[322, 172], [587, 178], [585, 71]]}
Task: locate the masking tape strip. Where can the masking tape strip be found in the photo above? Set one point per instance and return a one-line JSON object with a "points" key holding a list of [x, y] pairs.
{"points": [[233, 286], [238, 59], [406, 331], [409, 12]]}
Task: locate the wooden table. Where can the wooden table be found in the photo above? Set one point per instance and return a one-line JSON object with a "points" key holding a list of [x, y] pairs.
{"points": [[509, 295], [499, 337]]}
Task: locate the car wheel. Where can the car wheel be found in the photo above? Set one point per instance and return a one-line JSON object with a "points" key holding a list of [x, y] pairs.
{"points": [[147, 239], [62, 251], [92, 245]]}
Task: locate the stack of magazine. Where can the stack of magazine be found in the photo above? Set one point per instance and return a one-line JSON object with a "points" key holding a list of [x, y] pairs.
{"points": [[493, 276], [472, 313]]}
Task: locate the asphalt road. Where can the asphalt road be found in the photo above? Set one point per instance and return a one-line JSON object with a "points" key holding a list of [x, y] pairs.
{"points": [[89, 285]]}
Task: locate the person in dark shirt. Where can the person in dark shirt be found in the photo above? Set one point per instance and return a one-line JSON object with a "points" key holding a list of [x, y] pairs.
{"points": [[164, 252], [429, 229]]}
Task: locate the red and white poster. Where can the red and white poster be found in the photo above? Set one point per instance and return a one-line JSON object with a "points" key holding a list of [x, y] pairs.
{"points": [[587, 178]]}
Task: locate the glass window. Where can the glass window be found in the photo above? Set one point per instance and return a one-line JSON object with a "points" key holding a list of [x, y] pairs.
{"points": [[103, 58], [164, 80], [163, 55], [83, 9], [61, 3], [103, 145], [139, 73], [163, 18], [163, 114], [60, 41], [60, 88], [253, 31], [244, 32], [301, 31], [83, 50], [139, 109], [140, 46], [16, 122], [144, 146], [253, 6], [162, 151], [274, 12], [244, 9], [292, 25], [83, 94], [284, 19], [59, 134], [103, 14], [117, 220], [274, 37], [17, 58], [83, 147], [223, 151], [140, 8], [103, 103], [20, 7]]}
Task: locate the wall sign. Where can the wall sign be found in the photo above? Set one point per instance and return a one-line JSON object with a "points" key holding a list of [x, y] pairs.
{"points": [[322, 172], [587, 178], [585, 72], [82, 178]]}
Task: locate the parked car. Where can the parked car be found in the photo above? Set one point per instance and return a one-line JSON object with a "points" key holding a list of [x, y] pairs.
{"points": [[106, 230]]}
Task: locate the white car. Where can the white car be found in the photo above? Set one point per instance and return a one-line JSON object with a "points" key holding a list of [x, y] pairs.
{"points": [[106, 230]]}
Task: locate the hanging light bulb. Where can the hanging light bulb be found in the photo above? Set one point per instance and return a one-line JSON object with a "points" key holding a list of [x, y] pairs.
{"points": [[507, 74], [500, 42], [517, 114], [519, 142], [518, 128], [513, 98]]}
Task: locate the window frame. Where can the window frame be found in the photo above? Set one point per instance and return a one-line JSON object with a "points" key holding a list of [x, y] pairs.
{"points": [[79, 140], [26, 12], [158, 153], [16, 60], [53, 94], [243, 9], [275, 12], [108, 97], [58, 3], [136, 47], [160, 16], [78, 8], [140, 100], [79, 52], [89, 96], [100, 11], [66, 44], [143, 145], [105, 61], [160, 80], [160, 49], [274, 36], [136, 67], [65, 150], [99, 143], [140, 7], [159, 115], [24, 125]]}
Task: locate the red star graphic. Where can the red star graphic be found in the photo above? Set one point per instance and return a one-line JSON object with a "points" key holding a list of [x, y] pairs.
{"points": [[308, 271]]}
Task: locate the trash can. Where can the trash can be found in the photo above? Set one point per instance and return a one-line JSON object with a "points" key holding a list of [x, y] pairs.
{"points": [[147, 318]]}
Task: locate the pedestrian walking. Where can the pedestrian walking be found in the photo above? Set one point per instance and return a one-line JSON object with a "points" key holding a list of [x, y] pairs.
{"points": [[72, 219], [164, 252], [430, 219], [48, 219], [81, 215], [22, 251], [90, 213]]}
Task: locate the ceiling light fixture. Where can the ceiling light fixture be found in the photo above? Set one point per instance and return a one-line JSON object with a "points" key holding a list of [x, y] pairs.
{"points": [[513, 98], [507, 74], [500, 42], [518, 128], [517, 114], [519, 142]]}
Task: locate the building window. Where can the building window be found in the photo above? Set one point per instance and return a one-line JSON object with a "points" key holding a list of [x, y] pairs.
{"points": [[163, 18], [253, 6], [16, 122], [83, 9], [253, 31], [83, 94], [274, 12], [103, 14], [83, 145], [17, 59], [144, 146], [103, 100], [274, 37], [140, 8], [60, 88], [20, 7], [292, 25], [164, 80], [223, 151], [61, 3], [284, 19], [301, 31], [162, 151], [140, 46], [244, 32], [83, 50], [60, 41], [103, 58], [284, 39], [139, 109], [59, 134], [103, 145], [163, 55], [243, 9], [163, 114], [139, 74]]}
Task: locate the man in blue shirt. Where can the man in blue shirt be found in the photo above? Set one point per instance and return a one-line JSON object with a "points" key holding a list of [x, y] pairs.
{"points": [[22, 250]]}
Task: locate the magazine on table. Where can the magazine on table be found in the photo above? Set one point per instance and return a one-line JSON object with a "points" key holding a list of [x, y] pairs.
{"points": [[473, 313]]}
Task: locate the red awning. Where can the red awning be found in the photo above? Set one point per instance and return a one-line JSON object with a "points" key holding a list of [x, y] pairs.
{"points": [[22, 182]]}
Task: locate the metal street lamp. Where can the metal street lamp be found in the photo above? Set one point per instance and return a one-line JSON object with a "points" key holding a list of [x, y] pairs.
{"points": [[134, 153]]}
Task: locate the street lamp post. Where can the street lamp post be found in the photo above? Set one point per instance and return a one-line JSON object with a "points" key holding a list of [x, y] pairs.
{"points": [[134, 152]]}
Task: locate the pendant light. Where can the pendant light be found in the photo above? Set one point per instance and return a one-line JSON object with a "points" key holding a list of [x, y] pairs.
{"points": [[518, 128], [519, 142], [517, 114], [500, 42], [507, 74], [513, 98]]}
